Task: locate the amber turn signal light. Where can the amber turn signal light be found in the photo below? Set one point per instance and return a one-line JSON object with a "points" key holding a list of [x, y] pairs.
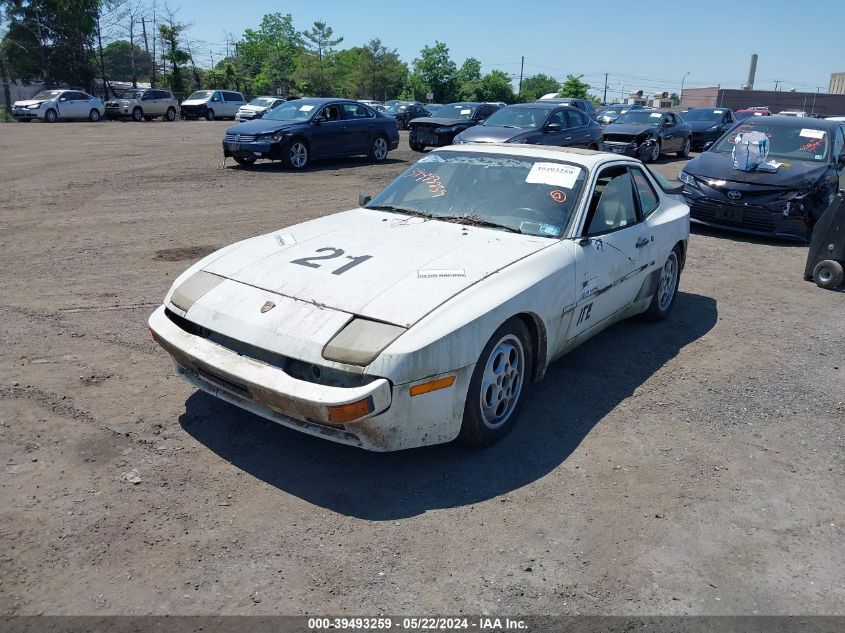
{"points": [[433, 385], [352, 411]]}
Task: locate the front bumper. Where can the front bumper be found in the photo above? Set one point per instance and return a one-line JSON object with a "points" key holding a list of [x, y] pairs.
{"points": [[754, 219], [396, 420], [25, 114], [429, 138], [259, 149], [629, 148], [193, 112]]}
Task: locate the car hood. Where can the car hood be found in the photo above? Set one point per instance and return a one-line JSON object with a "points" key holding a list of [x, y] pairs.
{"points": [[795, 174], [253, 108], [261, 126], [26, 103], [628, 129], [492, 134], [701, 126], [412, 265], [195, 102], [438, 121]]}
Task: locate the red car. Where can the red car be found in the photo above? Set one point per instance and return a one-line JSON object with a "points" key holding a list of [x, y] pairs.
{"points": [[744, 114]]}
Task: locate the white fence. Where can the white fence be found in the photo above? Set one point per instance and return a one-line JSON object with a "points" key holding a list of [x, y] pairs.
{"points": [[18, 90]]}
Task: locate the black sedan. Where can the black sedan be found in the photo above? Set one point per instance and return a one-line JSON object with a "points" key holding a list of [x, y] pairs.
{"points": [[782, 197], [405, 111], [451, 120], [538, 124], [300, 131], [708, 124], [609, 114], [646, 134]]}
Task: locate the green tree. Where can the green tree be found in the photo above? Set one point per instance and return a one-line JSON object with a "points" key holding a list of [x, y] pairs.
{"points": [[382, 73], [496, 86], [574, 88], [319, 41], [676, 100], [470, 70], [118, 61], [538, 85], [437, 72], [267, 56], [171, 33]]}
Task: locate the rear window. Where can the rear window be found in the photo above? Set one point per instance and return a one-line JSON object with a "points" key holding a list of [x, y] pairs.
{"points": [[233, 96]]}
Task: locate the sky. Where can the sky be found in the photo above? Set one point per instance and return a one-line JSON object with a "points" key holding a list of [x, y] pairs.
{"points": [[643, 45]]}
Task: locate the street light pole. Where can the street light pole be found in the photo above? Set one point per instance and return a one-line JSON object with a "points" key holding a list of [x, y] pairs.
{"points": [[681, 98]]}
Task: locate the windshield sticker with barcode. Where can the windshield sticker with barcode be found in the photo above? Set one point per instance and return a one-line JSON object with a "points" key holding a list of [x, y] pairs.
{"points": [[554, 174], [808, 133]]}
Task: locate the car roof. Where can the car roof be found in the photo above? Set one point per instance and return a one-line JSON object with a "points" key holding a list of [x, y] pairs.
{"points": [[712, 108], [585, 157]]}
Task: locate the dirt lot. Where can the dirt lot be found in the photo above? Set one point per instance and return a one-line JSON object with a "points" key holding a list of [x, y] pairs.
{"points": [[691, 467]]}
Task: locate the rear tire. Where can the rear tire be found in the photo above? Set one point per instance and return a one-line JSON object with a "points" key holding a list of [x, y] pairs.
{"points": [[137, 115], [828, 274], [684, 153], [378, 149], [667, 288], [94, 115], [209, 116], [498, 385]]}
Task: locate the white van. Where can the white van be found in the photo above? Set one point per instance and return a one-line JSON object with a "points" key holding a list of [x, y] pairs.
{"points": [[212, 104]]}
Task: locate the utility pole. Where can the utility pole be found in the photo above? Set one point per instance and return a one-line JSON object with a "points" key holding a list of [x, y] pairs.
{"points": [[777, 81], [147, 47], [521, 66], [604, 99], [814, 101]]}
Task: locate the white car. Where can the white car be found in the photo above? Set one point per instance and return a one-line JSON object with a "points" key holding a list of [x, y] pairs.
{"points": [[257, 108], [52, 105], [424, 315]]}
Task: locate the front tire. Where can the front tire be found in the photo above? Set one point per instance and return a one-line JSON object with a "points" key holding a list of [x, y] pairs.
{"points": [[498, 385], [684, 153], [654, 153], [51, 116], [667, 288], [244, 160], [94, 115], [209, 116], [297, 155], [416, 146], [137, 115], [378, 149], [171, 114], [828, 274]]}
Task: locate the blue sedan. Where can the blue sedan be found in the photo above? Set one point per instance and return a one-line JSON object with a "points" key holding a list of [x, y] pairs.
{"points": [[303, 130]]}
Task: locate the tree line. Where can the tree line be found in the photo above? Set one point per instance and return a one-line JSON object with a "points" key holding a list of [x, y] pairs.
{"points": [[91, 44]]}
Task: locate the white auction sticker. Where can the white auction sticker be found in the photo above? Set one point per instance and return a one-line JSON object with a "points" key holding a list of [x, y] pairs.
{"points": [[554, 174], [285, 239], [306, 107], [432, 273], [467, 111], [808, 133]]}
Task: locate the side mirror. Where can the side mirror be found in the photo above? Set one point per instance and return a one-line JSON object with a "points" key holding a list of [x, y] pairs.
{"points": [[319, 119], [62, 98], [363, 199], [707, 145], [553, 127]]}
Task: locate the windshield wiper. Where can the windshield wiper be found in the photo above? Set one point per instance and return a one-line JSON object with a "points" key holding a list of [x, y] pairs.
{"points": [[474, 220], [403, 210]]}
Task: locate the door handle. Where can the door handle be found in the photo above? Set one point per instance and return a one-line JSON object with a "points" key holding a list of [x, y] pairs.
{"points": [[567, 138], [643, 241]]}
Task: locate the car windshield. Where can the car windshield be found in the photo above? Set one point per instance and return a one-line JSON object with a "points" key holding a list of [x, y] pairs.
{"points": [[456, 111], [396, 108], [262, 102], [291, 111], [514, 193], [798, 141], [704, 114], [433, 110], [518, 116], [132, 94], [640, 117], [200, 94], [44, 95]]}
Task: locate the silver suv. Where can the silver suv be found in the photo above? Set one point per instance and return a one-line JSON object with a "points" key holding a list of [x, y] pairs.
{"points": [[143, 104]]}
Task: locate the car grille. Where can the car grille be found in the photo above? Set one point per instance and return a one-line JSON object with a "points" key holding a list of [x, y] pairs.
{"points": [[753, 217], [618, 138], [240, 138]]}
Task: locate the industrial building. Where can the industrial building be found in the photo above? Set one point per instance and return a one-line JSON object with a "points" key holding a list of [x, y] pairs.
{"points": [[837, 84]]}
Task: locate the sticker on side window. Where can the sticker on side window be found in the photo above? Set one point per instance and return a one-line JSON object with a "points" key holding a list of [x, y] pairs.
{"points": [[808, 133], [554, 174]]}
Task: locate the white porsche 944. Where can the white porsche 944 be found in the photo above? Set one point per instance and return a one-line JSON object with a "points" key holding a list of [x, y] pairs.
{"points": [[424, 315]]}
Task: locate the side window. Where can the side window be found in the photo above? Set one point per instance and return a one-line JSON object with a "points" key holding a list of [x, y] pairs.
{"points": [[356, 111], [484, 112], [232, 96], [649, 201], [612, 205], [331, 113], [149, 95], [163, 94], [559, 117], [576, 119], [217, 97], [71, 96], [838, 143]]}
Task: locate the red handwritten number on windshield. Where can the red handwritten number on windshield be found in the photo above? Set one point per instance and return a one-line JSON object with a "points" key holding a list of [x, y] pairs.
{"points": [[558, 195]]}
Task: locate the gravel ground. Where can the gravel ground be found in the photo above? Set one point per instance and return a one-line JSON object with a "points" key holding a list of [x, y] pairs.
{"points": [[695, 466]]}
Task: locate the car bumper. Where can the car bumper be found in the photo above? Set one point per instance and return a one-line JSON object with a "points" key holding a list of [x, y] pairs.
{"points": [[429, 138], [25, 115], [628, 148], [395, 420], [746, 218], [257, 149], [193, 112]]}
